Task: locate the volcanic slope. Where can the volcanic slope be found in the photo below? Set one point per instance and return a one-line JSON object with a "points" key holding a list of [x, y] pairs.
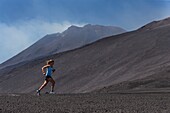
{"points": [[140, 57], [73, 37]]}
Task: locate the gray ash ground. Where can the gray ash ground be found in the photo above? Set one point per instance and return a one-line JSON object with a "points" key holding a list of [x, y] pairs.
{"points": [[86, 103]]}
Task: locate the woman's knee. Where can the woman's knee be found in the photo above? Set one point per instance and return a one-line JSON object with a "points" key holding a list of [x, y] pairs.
{"points": [[46, 82], [53, 82]]}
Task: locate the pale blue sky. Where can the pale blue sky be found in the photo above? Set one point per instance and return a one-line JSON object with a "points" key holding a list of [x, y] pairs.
{"points": [[22, 22]]}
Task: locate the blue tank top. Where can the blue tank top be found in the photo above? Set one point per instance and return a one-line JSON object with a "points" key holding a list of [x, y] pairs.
{"points": [[49, 71]]}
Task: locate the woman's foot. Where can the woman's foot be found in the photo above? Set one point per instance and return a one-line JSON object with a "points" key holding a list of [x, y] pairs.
{"points": [[52, 92], [38, 92]]}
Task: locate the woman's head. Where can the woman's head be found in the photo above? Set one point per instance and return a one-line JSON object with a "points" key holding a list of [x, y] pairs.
{"points": [[50, 62]]}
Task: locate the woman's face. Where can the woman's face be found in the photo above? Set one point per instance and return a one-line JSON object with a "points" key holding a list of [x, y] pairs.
{"points": [[52, 63]]}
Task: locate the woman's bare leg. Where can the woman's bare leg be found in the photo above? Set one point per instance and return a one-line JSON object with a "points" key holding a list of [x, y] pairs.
{"points": [[43, 85], [53, 84]]}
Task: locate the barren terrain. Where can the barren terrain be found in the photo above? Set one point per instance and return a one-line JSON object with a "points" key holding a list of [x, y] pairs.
{"points": [[86, 103]]}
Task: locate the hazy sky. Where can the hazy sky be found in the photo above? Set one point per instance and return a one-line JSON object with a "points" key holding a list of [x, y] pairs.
{"points": [[22, 22]]}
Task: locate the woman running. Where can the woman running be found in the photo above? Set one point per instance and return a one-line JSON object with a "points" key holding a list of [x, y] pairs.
{"points": [[47, 70]]}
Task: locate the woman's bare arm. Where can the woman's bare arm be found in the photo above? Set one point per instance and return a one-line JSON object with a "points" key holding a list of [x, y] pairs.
{"points": [[43, 69]]}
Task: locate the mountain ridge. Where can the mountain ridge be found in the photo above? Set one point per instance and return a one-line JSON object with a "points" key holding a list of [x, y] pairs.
{"points": [[58, 42], [156, 24], [137, 59]]}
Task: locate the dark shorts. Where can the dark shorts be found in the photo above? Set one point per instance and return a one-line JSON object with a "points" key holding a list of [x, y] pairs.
{"points": [[46, 78]]}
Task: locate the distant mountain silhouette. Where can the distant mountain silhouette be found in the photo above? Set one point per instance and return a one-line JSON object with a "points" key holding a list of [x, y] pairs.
{"points": [[73, 37], [137, 60], [156, 24]]}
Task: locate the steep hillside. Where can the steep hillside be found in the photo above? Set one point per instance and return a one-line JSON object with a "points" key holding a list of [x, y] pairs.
{"points": [[156, 24], [73, 37], [140, 57]]}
